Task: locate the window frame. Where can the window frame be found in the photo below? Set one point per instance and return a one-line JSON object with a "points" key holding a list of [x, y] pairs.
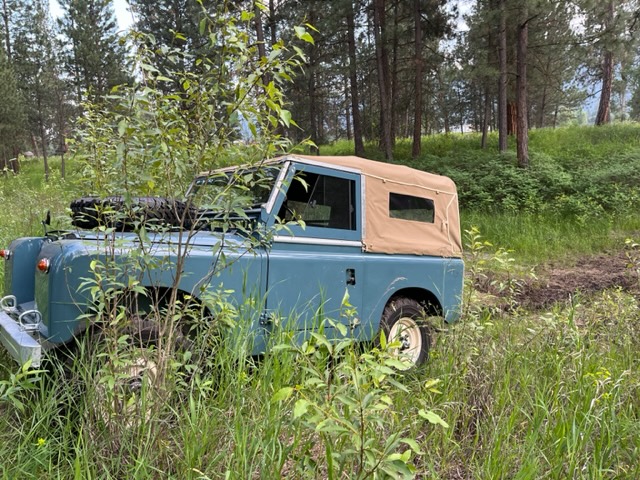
{"points": [[320, 232], [427, 199]]}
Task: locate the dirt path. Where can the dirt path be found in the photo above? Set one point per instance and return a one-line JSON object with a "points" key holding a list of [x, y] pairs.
{"points": [[588, 275], [557, 283]]}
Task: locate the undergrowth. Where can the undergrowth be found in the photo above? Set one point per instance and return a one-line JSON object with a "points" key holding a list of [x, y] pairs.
{"points": [[517, 394]]}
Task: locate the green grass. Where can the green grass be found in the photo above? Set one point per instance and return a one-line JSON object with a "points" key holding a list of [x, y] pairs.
{"points": [[546, 395], [551, 394], [539, 238]]}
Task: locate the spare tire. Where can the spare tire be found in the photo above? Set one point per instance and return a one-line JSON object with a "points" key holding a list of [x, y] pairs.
{"points": [[114, 212]]}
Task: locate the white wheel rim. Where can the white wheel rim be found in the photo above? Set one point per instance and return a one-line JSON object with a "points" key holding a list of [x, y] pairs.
{"points": [[407, 332], [121, 402]]}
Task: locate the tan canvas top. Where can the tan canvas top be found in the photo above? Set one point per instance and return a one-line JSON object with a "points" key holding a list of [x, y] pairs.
{"points": [[384, 234]]}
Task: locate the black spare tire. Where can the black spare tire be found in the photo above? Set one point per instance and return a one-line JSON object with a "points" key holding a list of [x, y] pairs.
{"points": [[114, 212]]}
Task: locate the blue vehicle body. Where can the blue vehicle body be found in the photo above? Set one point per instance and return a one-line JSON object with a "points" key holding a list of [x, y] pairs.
{"points": [[296, 277]]}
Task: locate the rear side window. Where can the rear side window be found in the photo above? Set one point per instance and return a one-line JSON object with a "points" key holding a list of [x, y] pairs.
{"points": [[407, 207]]}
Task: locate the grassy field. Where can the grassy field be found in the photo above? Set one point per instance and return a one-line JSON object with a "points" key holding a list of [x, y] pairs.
{"points": [[507, 392]]}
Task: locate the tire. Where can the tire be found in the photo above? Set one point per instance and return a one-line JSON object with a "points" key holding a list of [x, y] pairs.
{"points": [[127, 389], [403, 319], [94, 212]]}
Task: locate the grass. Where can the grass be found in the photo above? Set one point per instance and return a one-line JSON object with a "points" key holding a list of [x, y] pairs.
{"points": [[546, 394], [539, 238], [526, 395]]}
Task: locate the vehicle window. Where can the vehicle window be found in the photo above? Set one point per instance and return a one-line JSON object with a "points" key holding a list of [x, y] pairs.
{"points": [[407, 207], [248, 188], [321, 201]]}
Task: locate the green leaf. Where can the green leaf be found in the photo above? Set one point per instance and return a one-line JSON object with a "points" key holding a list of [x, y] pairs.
{"points": [[285, 116], [282, 394], [122, 127], [301, 407], [383, 340], [432, 417], [412, 444], [303, 35]]}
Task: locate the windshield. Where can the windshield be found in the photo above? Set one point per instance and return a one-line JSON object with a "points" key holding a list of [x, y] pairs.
{"points": [[244, 188]]}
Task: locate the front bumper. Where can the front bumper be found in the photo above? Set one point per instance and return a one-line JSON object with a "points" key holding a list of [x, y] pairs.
{"points": [[20, 335]]}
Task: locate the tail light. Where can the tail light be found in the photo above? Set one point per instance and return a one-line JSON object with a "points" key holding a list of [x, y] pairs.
{"points": [[43, 265], [5, 254]]}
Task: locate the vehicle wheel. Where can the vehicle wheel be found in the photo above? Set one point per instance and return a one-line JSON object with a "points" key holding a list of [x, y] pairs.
{"points": [[403, 320], [128, 387]]}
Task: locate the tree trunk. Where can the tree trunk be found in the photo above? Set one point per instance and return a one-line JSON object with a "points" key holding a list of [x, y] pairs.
{"points": [[486, 117], [313, 115], [272, 22], [45, 157], [393, 94], [543, 106], [522, 114], [604, 108], [259, 32], [7, 32], [416, 149], [347, 111], [502, 84], [312, 94], [262, 50], [353, 81], [381, 57], [512, 114]]}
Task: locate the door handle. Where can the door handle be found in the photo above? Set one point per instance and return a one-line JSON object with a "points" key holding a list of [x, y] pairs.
{"points": [[351, 276]]}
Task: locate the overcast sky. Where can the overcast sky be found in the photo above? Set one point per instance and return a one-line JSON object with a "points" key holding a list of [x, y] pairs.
{"points": [[125, 18], [122, 12]]}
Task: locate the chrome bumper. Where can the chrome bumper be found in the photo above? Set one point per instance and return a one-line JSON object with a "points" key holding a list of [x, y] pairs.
{"points": [[18, 336]]}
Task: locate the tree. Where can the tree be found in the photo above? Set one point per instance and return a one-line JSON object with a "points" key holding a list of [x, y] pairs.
{"points": [[609, 41], [34, 62], [502, 86], [353, 79], [176, 25], [382, 64], [521, 81], [7, 9], [12, 113], [604, 106], [94, 55]]}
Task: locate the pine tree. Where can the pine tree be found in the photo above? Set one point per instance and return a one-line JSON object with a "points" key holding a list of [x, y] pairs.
{"points": [[12, 114], [174, 24], [94, 54], [36, 69]]}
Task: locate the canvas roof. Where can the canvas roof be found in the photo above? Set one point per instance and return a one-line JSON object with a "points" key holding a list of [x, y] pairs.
{"points": [[384, 234]]}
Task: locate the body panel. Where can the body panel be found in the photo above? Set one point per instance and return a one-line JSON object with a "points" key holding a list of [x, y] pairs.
{"points": [[19, 268]]}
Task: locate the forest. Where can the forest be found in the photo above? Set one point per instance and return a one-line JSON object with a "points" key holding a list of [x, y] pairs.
{"points": [[376, 71]]}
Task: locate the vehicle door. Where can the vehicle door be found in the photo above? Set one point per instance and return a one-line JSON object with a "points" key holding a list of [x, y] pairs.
{"points": [[315, 262]]}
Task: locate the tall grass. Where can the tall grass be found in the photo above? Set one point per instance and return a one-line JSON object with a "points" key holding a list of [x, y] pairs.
{"points": [[515, 394], [539, 238], [525, 395]]}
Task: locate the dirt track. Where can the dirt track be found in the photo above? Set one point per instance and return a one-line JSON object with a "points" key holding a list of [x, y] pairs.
{"points": [[589, 274]]}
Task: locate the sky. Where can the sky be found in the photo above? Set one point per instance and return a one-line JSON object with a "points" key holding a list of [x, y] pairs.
{"points": [[125, 18], [122, 12]]}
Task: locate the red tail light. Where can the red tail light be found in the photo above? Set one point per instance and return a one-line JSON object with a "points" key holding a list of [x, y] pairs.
{"points": [[43, 265], [5, 254]]}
